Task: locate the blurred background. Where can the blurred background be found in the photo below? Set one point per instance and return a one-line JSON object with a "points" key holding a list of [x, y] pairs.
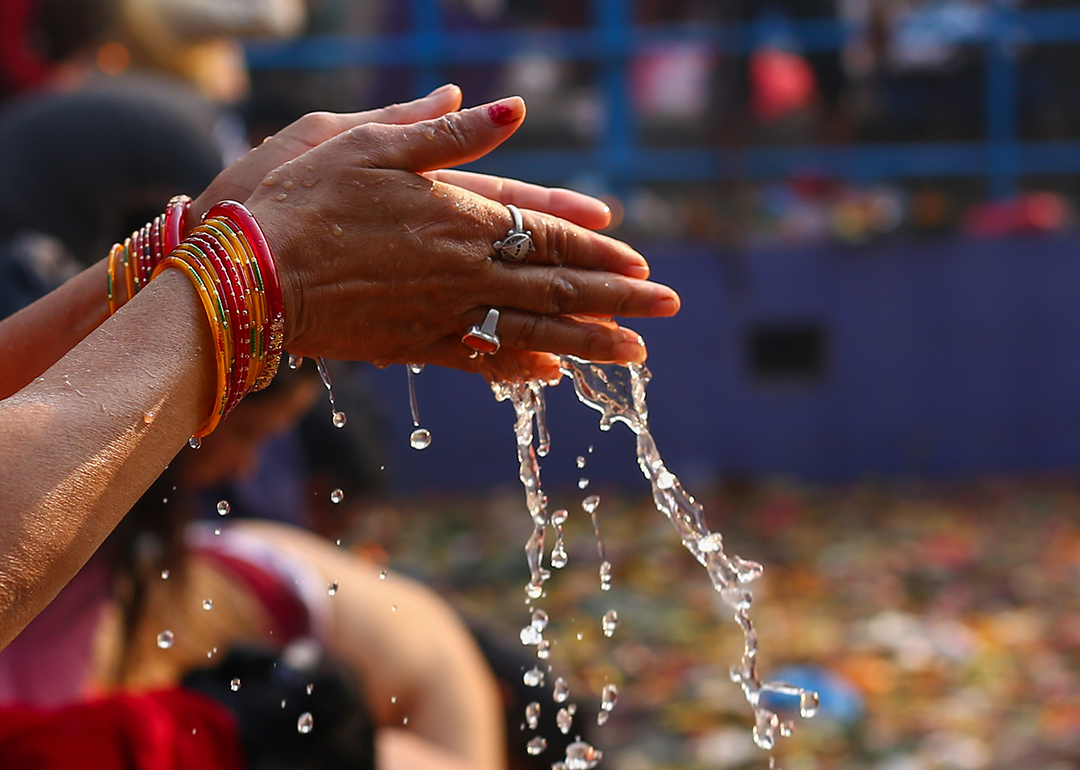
{"points": [[870, 210]]}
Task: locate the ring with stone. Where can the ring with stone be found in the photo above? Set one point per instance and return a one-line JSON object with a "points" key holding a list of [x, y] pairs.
{"points": [[518, 241], [483, 338]]}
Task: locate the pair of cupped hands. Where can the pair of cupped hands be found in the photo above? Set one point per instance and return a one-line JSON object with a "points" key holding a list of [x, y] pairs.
{"points": [[385, 254]]}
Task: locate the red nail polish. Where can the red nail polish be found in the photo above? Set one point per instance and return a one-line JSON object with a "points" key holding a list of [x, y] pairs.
{"points": [[501, 114]]}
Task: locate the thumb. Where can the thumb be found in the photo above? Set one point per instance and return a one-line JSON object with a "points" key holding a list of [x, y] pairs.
{"points": [[450, 140]]}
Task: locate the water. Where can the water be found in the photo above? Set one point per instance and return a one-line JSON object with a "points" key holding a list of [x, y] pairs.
{"points": [[536, 745], [332, 588], [608, 697], [561, 691], [582, 483], [223, 507], [336, 497], [618, 393], [164, 574], [532, 715], [559, 556], [295, 361], [580, 461], [305, 723], [534, 677], [165, 639], [420, 438], [234, 685], [564, 720], [309, 689], [337, 418], [208, 604]]}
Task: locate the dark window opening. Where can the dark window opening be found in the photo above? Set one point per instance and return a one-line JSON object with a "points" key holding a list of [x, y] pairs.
{"points": [[787, 352]]}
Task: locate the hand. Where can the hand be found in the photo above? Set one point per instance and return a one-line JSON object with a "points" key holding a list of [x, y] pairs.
{"points": [[240, 179], [381, 264]]}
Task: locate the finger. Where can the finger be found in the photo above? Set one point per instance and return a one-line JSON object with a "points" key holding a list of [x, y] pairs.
{"points": [[600, 342], [442, 100], [563, 291], [453, 139], [561, 243], [581, 209]]}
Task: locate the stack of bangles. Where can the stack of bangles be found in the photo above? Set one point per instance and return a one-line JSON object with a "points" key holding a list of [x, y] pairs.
{"points": [[229, 262]]}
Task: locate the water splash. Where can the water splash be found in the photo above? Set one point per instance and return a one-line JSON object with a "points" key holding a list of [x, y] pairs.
{"points": [[336, 417], [420, 438], [559, 556]]}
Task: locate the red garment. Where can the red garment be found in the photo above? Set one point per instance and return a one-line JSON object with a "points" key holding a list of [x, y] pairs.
{"points": [[173, 729]]}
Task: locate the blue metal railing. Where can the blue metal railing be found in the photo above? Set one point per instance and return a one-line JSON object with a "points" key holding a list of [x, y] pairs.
{"points": [[612, 39]]}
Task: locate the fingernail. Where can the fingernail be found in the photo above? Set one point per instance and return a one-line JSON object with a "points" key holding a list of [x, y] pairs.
{"points": [[504, 112], [638, 270], [443, 87], [632, 348], [667, 306]]}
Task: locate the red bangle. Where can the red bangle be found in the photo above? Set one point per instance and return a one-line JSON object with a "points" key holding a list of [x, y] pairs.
{"points": [[175, 214]]}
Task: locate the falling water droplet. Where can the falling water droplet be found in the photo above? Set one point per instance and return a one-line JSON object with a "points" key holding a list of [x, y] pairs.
{"points": [[532, 715], [580, 636], [582, 483], [393, 699], [530, 636], [559, 557], [543, 649], [165, 639], [223, 507], [582, 756], [305, 723], [602, 717], [610, 622], [561, 691], [564, 720], [591, 503], [295, 361], [382, 575], [420, 438], [310, 688], [534, 677], [608, 697], [539, 620], [580, 461], [339, 419], [164, 574], [332, 588], [208, 604], [217, 530], [787, 729], [336, 497], [416, 368], [605, 576], [234, 685], [665, 480], [808, 704], [536, 745]]}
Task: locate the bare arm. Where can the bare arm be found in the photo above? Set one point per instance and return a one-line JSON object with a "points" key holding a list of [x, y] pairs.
{"points": [[80, 444], [416, 659]]}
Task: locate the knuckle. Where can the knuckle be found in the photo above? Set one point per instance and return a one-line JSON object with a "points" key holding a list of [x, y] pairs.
{"points": [[556, 237], [562, 295], [454, 129], [531, 336], [318, 123]]}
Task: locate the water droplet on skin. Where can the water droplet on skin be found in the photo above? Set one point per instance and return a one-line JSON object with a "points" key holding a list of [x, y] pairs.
{"points": [[339, 419], [223, 508], [608, 697], [165, 639], [536, 745], [382, 575], [332, 588], [591, 503], [336, 497], [534, 677], [580, 461], [208, 604], [147, 418], [532, 715], [309, 182], [164, 574], [420, 438], [393, 608], [280, 197], [295, 361], [564, 720], [561, 691], [287, 185], [582, 483], [234, 685], [305, 723], [194, 442], [416, 368], [310, 688], [610, 622], [335, 228], [809, 702], [269, 181]]}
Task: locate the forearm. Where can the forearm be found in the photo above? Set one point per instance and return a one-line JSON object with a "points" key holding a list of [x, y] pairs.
{"points": [[41, 334], [82, 442]]}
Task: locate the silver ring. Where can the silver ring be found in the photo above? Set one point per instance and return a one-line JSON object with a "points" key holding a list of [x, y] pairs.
{"points": [[482, 337], [518, 241]]}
